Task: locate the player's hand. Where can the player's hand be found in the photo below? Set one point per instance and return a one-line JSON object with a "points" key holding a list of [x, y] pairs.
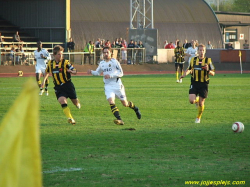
{"points": [[89, 71], [205, 67], [42, 56], [107, 76]]}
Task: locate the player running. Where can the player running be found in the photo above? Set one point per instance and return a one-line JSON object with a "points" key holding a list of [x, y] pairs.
{"points": [[179, 61], [61, 71], [200, 68], [112, 73], [41, 57]]}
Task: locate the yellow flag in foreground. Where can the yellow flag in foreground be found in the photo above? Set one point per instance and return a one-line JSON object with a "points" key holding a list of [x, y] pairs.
{"points": [[20, 157], [239, 53]]}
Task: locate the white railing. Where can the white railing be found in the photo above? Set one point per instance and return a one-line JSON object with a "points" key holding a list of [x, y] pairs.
{"points": [[124, 56]]}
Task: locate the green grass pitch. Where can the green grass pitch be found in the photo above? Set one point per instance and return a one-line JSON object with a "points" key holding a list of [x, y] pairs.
{"points": [[166, 148]]}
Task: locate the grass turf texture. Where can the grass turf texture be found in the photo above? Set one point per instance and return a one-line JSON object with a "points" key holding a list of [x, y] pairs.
{"points": [[166, 148]]}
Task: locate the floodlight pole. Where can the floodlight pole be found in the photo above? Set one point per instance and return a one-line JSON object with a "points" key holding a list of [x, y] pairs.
{"points": [[139, 9]]}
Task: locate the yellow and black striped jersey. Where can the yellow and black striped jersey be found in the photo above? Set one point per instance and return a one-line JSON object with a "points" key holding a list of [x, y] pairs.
{"points": [[198, 74], [59, 71], [179, 54]]}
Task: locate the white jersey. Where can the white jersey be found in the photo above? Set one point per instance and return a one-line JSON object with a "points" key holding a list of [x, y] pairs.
{"points": [[192, 51], [111, 68], [41, 63]]}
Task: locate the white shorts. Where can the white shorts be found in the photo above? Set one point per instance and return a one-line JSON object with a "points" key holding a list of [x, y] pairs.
{"points": [[40, 69], [112, 91]]}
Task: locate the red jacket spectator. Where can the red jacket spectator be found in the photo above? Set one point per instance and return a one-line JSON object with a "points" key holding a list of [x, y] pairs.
{"points": [[170, 46], [108, 44]]}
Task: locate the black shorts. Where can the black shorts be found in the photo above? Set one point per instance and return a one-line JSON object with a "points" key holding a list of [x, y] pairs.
{"points": [[66, 90], [199, 88], [179, 65]]}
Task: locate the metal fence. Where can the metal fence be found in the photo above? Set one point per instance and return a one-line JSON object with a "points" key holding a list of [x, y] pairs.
{"points": [[124, 56]]}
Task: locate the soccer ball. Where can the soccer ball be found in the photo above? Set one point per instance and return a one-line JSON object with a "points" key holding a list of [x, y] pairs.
{"points": [[238, 127]]}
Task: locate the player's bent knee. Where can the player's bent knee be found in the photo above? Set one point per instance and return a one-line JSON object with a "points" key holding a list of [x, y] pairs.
{"points": [[192, 102], [124, 103]]}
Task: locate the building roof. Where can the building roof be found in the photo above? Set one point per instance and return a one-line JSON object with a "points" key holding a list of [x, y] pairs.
{"points": [[178, 19], [230, 19]]}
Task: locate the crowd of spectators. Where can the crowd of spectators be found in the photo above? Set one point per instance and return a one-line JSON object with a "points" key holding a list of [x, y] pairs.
{"points": [[126, 53], [16, 54]]}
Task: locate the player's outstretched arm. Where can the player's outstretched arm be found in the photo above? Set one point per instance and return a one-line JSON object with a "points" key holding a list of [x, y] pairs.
{"points": [[187, 72]]}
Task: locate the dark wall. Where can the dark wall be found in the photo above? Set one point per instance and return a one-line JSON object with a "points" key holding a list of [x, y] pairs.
{"points": [[44, 19]]}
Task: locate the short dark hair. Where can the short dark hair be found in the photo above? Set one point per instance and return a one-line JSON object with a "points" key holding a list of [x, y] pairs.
{"points": [[57, 48], [107, 47]]}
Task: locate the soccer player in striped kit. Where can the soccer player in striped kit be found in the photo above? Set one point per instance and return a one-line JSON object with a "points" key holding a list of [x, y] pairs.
{"points": [[200, 68], [61, 71], [179, 61], [112, 73]]}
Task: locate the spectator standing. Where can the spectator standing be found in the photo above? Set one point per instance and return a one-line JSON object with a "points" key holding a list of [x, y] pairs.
{"points": [[118, 46], [121, 40], [196, 43], [1, 39], [113, 45], [71, 45], [117, 41], [135, 53], [124, 41], [209, 45], [97, 42], [107, 44], [165, 43], [17, 37], [87, 54], [22, 55], [41, 58], [18, 55], [71, 48], [12, 54], [229, 46], [175, 44], [124, 52], [186, 45], [113, 84], [169, 46], [130, 47], [246, 45], [140, 51], [131, 44], [98, 49], [92, 52]]}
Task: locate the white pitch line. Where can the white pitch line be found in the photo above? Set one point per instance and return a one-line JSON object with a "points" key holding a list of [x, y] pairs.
{"points": [[63, 170]]}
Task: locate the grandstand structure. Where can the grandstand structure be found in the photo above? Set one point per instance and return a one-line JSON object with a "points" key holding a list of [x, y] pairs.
{"points": [[179, 19], [83, 20]]}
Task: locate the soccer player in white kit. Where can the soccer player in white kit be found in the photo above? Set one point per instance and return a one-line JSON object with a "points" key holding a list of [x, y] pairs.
{"points": [[191, 51], [112, 73], [42, 57]]}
